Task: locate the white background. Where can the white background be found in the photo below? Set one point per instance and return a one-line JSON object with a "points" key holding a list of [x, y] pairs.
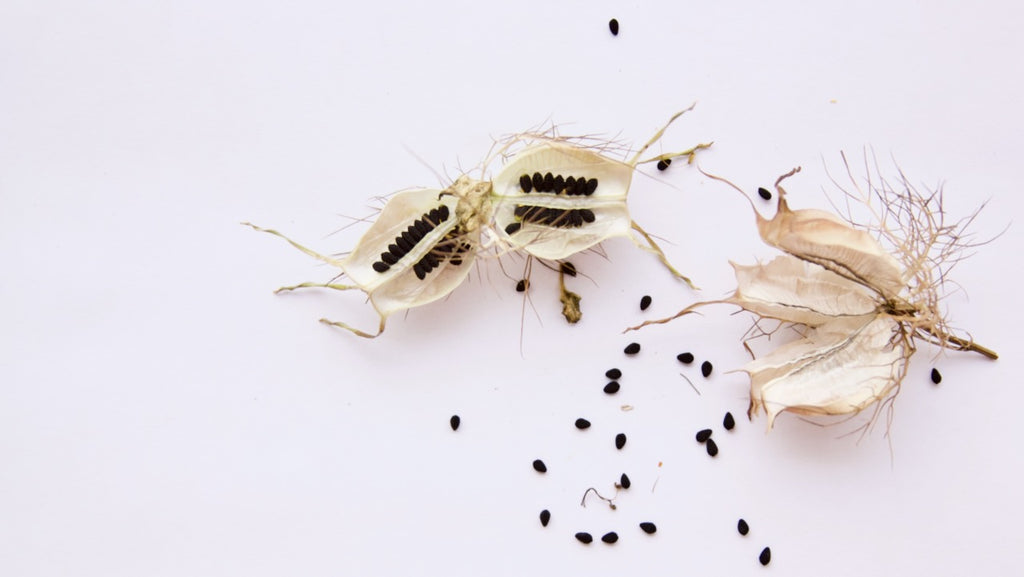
{"points": [[162, 413]]}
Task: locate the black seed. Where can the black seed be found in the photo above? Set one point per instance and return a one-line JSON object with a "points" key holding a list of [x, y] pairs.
{"points": [[539, 466], [409, 238], [936, 376], [455, 421], [380, 266], [570, 185], [610, 537], [587, 214], [620, 441], [396, 250], [538, 182], [442, 212], [388, 258], [549, 182], [742, 527], [703, 435], [522, 285], [421, 273], [434, 216], [422, 227], [613, 374], [403, 244], [568, 268], [613, 25], [581, 187], [513, 228], [430, 260], [663, 164], [414, 233], [591, 186], [645, 302], [685, 358], [632, 348], [545, 516], [765, 194], [559, 183], [582, 424], [525, 183], [584, 538], [711, 447], [611, 388], [728, 422], [766, 556], [705, 368], [648, 527], [575, 219], [624, 481]]}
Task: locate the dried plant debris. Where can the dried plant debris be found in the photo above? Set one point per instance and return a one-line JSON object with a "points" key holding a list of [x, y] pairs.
{"points": [[858, 297]]}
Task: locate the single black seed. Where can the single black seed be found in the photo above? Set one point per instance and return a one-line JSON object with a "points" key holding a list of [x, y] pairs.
{"points": [[582, 424], [414, 233], [538, 181], [728, 422], [568, 268], [455, 421], [613, 374], [632, 348], [388, 258], [587, 214], [396, 250], [705, 368], [620, 441], [764, 193], [522, 285], [591, 186], [610, 537], [703, 435], [685, 358], [648, 527], [570, 185], [663, 164], [936, 376], [431, 260], [422, 226], [742, 527], [526, 183], [559, 183], [421, 273], [513, 228], [549, 182], [645, 301], [434, 216], [443, 212], [545, 516], [581, 187], [766, 556], [611, 388], [539, 466], [380, 266], [613, 25], [403, 244], [408, 237], [711, 447], [624, 481], [584, 538]]}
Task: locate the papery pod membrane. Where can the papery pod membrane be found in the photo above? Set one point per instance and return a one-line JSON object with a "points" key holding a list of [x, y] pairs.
{"points": [[796, 291], [840, 367], [607, 203], [825, 239], [399, 288]]}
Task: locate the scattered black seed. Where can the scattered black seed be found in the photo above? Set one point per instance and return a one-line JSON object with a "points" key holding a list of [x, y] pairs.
{"points": [[632, 348], [620, 441], [728, 422], [513, 228], [613, 25], [526, 183], [712, 447], [455, 421], [765, 194], [703, 435], [624, 481], [380, 266], [936, 376], [742, 527], [663, 164], [584, 538], [648, 527], [705, 368], [645, 301], [611, 388], [766, 556], [545, 516], [582, 424], [685, 358], [568, 268], [610, 537], [613, 374], [522, 285], [539, 466]]}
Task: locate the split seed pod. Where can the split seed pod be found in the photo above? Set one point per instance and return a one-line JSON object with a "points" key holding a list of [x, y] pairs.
{"points": [[857, 308]]}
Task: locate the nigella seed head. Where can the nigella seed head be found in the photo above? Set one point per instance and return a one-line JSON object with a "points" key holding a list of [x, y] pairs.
{"points": [[685, 358], [513, 228], [703, 435], [766, 556], [380, 267], [613, 374], [620, 441], [582, 424], [632, 348], [936, 376], [706, 368], [610, 537], [545, 517], [728, 422], [742, 527], [648, 527], [539, 466], [764, 193], [455, 421], [584, 538], [611, 388], [526, 183], [624, 481], [712, 447], [645, 302]]}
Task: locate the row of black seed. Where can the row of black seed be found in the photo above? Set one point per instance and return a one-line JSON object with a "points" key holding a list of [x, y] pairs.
{"points": [[557, 184], [450, 247], [556, 217], [410, 237]]}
